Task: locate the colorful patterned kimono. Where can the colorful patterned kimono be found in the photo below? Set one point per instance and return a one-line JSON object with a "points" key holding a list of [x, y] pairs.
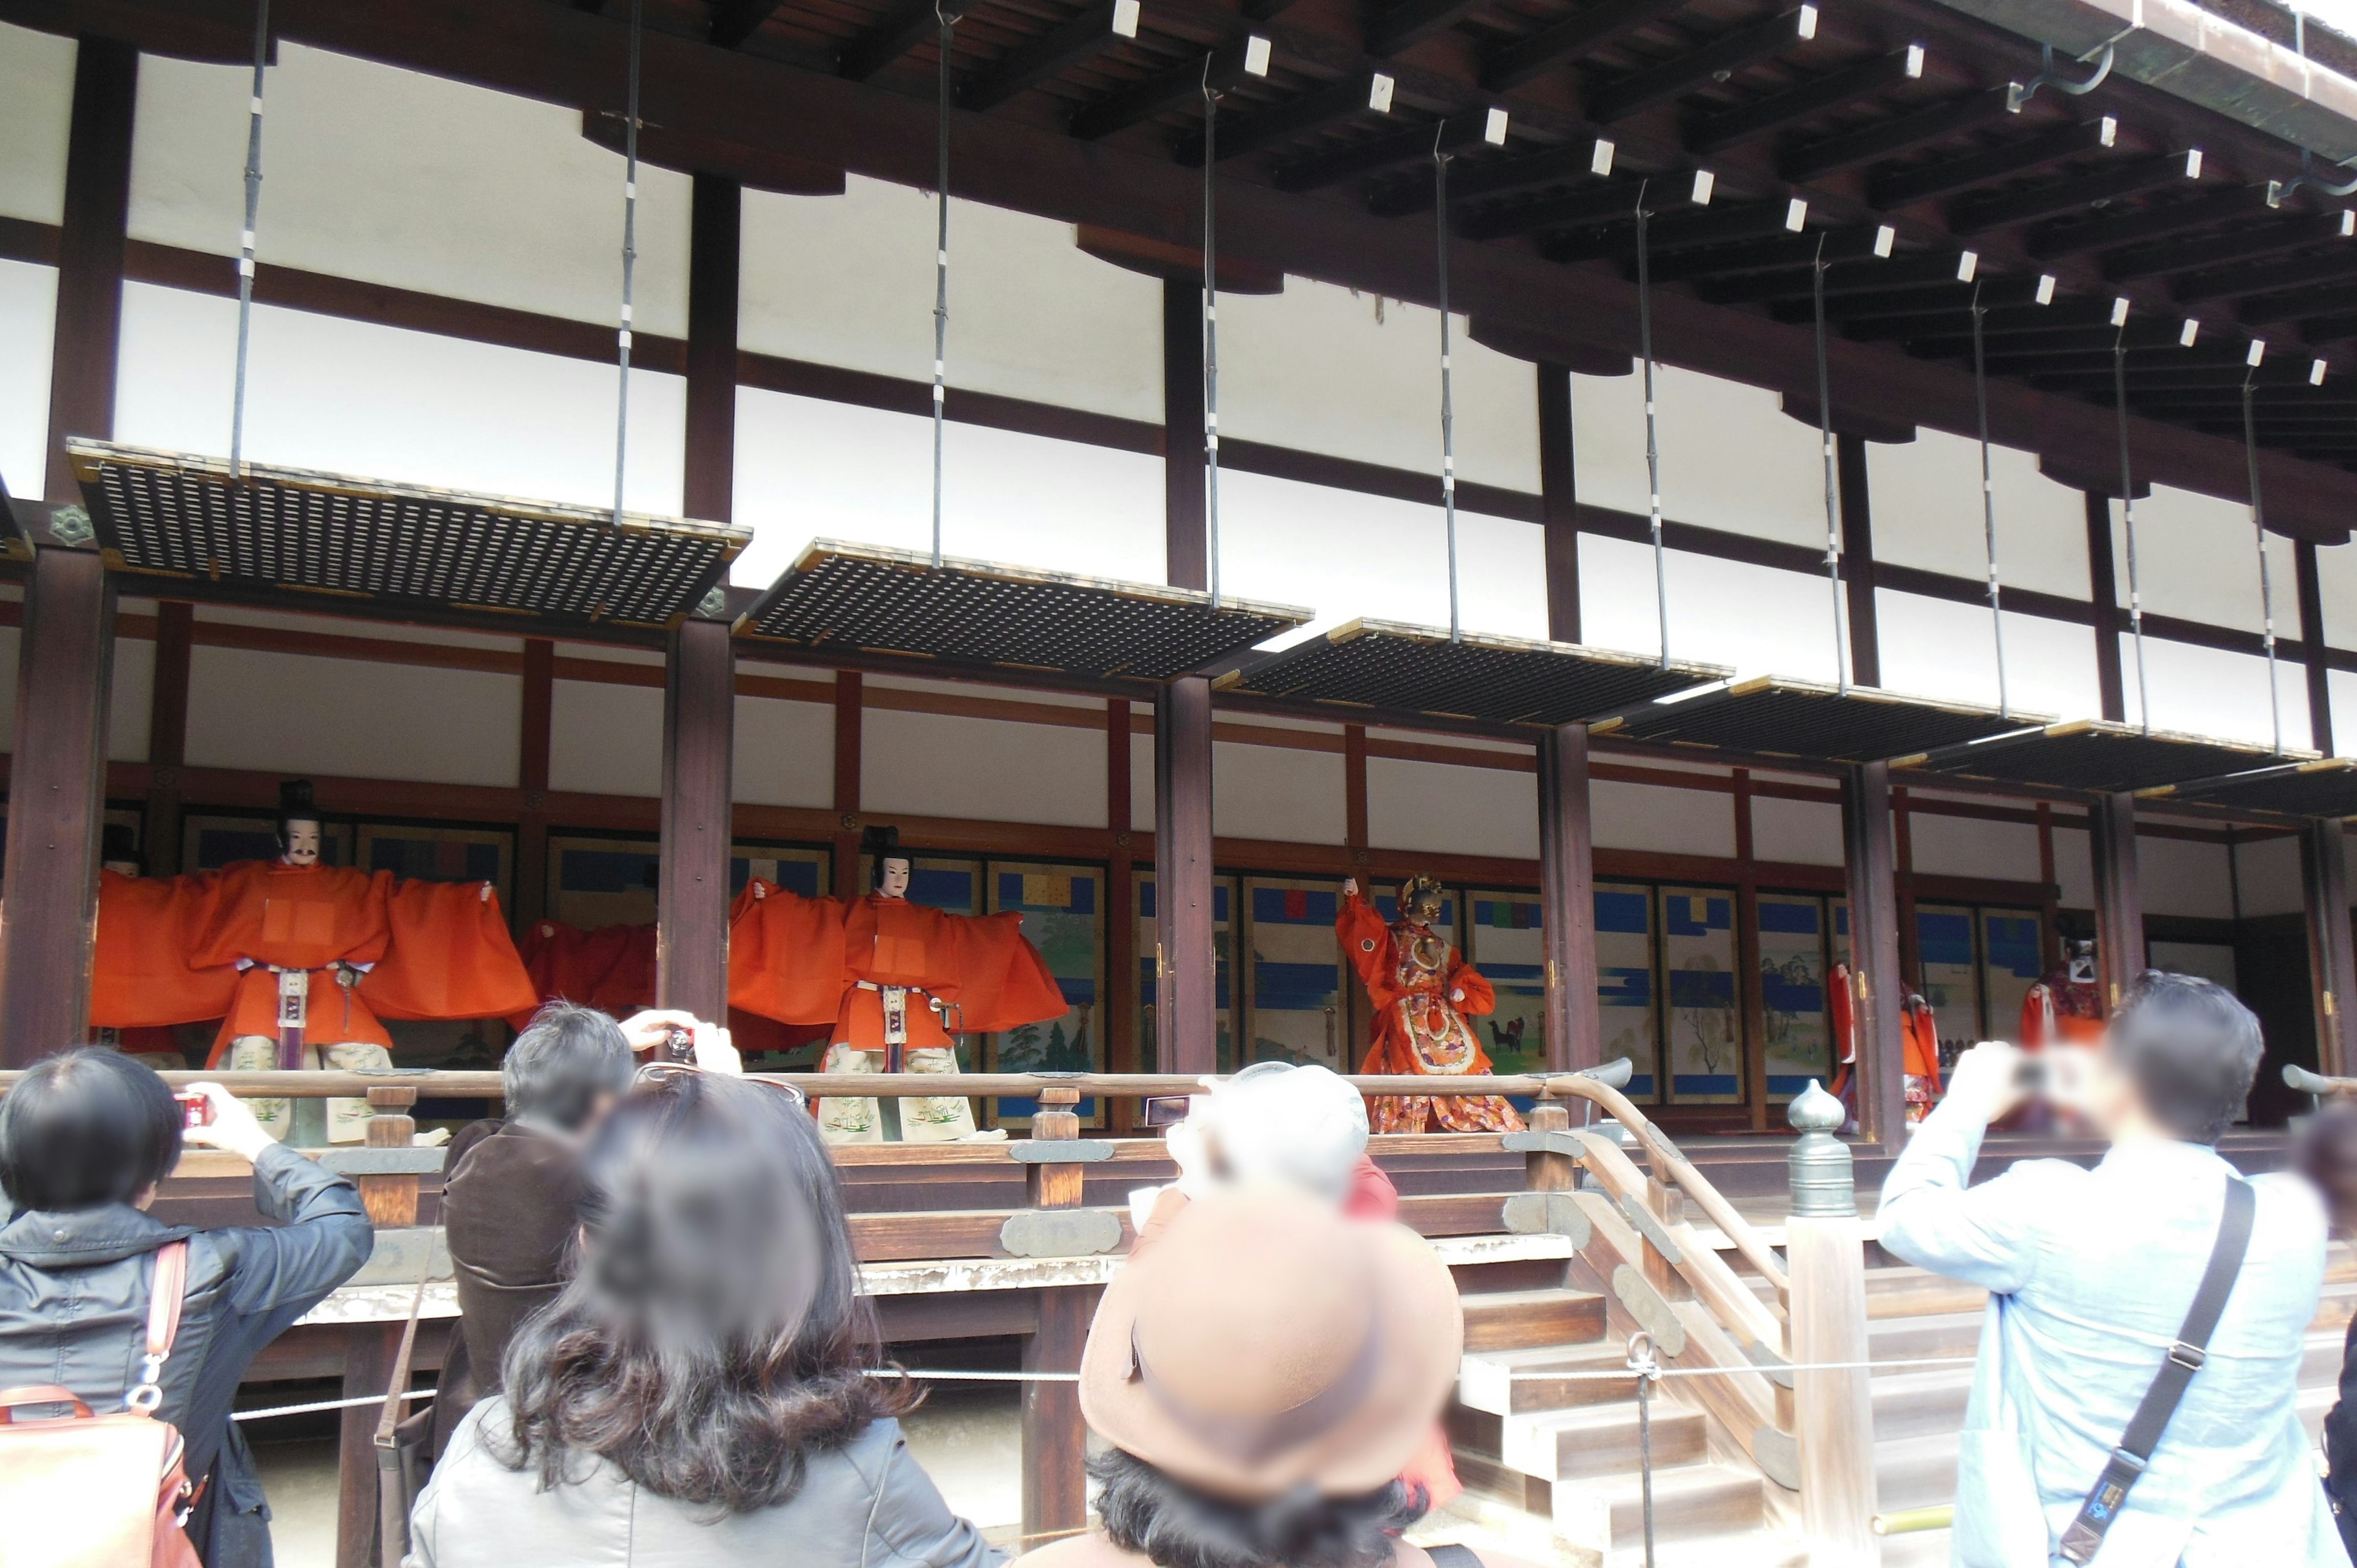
{"points": [[1423, 990], [2061, 1008], [898, 982]]}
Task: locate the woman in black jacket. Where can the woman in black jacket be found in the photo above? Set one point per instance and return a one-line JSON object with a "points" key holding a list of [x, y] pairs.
{"points": [[85, 1138]]}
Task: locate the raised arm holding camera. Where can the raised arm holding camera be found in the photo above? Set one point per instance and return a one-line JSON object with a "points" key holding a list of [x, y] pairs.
{"points": [[2138, 1374]]}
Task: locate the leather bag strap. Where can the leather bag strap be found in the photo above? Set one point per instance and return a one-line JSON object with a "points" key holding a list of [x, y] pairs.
{"points": [[2102, 1508], [171, 1286]]}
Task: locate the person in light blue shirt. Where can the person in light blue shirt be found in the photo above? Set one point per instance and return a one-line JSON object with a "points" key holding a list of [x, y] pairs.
{"points": [[2090, 1274]]}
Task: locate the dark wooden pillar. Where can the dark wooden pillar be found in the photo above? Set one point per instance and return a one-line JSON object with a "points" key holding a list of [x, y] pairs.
{"points": [[1574, 1027], [1118, 1024], [2119, 907], [56, 799], [692, 890], [369, 1350], [1559, 502], [90, 246], [1186, 1000], [2331, 950], [534, 732], [1188, 546], [1857, 561], [715, 224], [2313, 641], [2103, 595], [849, 716], [168, 736], [1749, 995], [1869, 843]]}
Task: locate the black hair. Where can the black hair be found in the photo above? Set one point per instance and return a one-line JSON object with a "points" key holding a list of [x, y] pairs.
{"points": [[119, 841], [296, 803], [712, 1340], [1176, 1525], [879, 844], [2191, 1050], [566, 1059], [2326, 1153], [86, 1128]]}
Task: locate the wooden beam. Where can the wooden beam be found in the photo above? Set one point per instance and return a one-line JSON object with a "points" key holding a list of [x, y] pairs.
{"points": [[1055, 1436], [734, 21], [369, 1350], [2074, 195], [849, 716], [1354, 791], [1137, 103], [168, 736], [1186, 544], [1042, 59], [1871, 858], [1582, 159], [536, 730], [2334, 267], [1406, 23], [2332, 951], [1714, 61], [1594, 27], [2103, 586], [1777, 111], [1413, 144], [1242, 136], [1857, 561], [2052, 241], [2292, 304], [2314, 642], [1615, 203], [1185, 990], [1907, 186], [1778, 253], [691, 887], [57, 799], [2241, 245], [915, 22], [1575, 1025], [1747, 956], [1558, 502], [91, 246], [1889, 138], [2119, 905], [1682, 231], [716, 219]]}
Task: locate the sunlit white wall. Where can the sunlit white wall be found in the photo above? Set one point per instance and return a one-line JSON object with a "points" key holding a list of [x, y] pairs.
{"points": [[2198, 558], [1927, 513], [1730, 457], [37, 74], [2208, 692], [1938, 648], [1759, 620], [28, 302]]}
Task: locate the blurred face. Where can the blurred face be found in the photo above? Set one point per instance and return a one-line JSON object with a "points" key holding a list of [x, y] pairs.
{"points": [[2107, 1096], [302, 844], [892, 881]]}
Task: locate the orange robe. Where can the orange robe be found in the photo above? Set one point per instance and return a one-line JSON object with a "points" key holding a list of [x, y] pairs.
{"points": [[168, 950], [822, 960], [612, 969], [1919, 1035], [1419, 1024], [2061, 1009]]}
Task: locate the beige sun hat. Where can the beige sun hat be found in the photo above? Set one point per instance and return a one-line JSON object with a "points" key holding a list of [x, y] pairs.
{"points": [[1263, 1341]]}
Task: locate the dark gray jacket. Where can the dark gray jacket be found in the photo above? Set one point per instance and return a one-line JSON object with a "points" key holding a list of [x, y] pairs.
{"points": [[73, 1310], [866, 1505]]}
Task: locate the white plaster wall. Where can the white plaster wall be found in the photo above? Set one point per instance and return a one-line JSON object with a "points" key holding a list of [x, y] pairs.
{"points": [[1758, 619], [373, 631], [1448, 810], [130, 700], [848, 280], [2183, 876], [29, 305], [1674, 822], [1730, 459], [1346, 556], [1141, 783], [37, 74], [2196, 558], [1314, 367], [810, 469], [2074, 868], [784, 753], [2267, 872], [1938, 648], [1972, 846], [944, 765], [2336, 573], [1926, 497], [385, 175], [2205, 691], [1796, 832], [358, 398], [1275, 793], [2341, 688], [604, 740], [297, 713]]}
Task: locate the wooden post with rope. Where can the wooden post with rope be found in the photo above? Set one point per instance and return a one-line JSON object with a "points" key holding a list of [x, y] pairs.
{"points": [[1055, 1438], [1824, 1249]]}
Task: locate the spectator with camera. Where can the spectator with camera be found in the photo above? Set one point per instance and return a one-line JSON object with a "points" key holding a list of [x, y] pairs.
{"points": [[703, 1391], [2136, 1386], [85, 1139]]}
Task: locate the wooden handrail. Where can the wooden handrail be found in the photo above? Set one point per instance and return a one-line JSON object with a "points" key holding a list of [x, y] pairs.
{"points": [[279, 1085]]}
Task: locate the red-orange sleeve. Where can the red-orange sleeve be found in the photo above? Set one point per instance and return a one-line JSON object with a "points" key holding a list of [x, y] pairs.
{"points": [[1839, 1014], [1480, 996], [2033, 1017], [141, 978], [1923, 1047], [1366, 942], [447, 955], [998, 980], [786, 955]]}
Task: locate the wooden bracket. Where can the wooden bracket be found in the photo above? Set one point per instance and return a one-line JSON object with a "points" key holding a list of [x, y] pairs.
{"points": [[1650, 1229], [1061, 1151], [1545, 1214], [1542, 1143], [1652, 1313], [1778, 1371], [1060, 1232], [1778, 1455]]}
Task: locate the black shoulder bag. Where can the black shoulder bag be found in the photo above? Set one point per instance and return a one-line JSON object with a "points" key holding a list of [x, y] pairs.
{"points": [[2097, 1514]]}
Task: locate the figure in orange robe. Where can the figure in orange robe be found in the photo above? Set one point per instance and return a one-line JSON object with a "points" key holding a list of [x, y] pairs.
{"points": [[2066, 1005], [1423, 990], [612, 969], [300, 961], [898, 983], [1919, 1035], [155, 1045]]}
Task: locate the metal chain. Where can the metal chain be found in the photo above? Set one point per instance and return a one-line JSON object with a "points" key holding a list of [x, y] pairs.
{"points": [[630, 260], [1653, 447], [2259, 533], [1833, 491], [2127, 514], [245, 237], [940, 259], [1210, 338], [1447, 399], [1988, 499]]}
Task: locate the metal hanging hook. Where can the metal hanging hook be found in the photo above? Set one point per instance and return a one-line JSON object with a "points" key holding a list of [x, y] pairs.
{"points": [[1447, 398], [1653, 446], [1642, 1362], [1210, 338], [245, 242], [1988, 498], [947, 19], [629, 265], [2259, 534], [2017, 93], [2278, 190], [2127, 517], [1833, 491]]}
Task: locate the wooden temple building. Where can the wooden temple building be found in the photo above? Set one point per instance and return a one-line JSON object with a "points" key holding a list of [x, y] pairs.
{"points": [[1714, 670]]}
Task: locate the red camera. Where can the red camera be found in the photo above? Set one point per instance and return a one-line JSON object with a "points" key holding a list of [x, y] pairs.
{"points": [[195, 1109]]}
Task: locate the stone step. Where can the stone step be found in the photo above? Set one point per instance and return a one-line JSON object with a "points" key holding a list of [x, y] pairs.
{"points": [[1525, 1319], [1928, 1403], [1505, 1382], [1937, 1335], [1690, 1501], [1600, 1441], [1747, 1549], [1915, 1472]]}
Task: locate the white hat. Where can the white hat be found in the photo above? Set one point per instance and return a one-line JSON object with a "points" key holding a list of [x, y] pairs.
{"points": [[1297, 1126]]}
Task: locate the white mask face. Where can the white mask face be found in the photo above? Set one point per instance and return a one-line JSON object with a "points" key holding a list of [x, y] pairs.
{"points": [[893, 879], [302, 844]]}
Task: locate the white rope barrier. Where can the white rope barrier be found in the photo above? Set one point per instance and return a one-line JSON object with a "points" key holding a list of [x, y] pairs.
{"points": [[327, 1405]]}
